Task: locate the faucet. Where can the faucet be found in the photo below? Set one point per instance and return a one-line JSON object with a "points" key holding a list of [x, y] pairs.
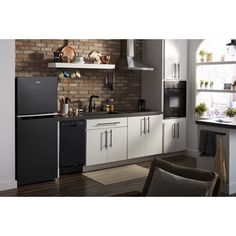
{"points": [[90, 102]]}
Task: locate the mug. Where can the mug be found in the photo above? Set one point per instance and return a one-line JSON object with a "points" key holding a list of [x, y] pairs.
{"points": [[73, 75]]}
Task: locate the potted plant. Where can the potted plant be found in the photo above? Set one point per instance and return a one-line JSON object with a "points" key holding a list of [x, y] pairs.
{"points": [[201, 109], [211, 84], [201, 83], [230, 112], [202, 53], [206, 84]]}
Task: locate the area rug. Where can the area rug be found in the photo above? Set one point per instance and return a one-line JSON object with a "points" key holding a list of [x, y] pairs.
{"points": [[117, 174]]}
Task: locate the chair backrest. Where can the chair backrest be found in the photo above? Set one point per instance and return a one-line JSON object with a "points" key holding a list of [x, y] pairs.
{"points": [[185, 172]]}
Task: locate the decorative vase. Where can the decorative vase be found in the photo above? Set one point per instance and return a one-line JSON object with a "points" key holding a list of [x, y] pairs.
{"points": [[202, 59]]}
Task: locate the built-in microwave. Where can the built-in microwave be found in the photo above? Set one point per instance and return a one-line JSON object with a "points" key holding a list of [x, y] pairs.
{"points": [[174, 99]]}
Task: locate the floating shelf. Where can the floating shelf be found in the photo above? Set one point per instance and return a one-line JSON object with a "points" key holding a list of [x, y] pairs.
{"points": [[216, 63], [217, 90], [81, 66]]}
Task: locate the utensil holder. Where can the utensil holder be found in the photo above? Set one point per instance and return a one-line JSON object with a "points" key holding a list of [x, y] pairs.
{"points": [[64, 108]]}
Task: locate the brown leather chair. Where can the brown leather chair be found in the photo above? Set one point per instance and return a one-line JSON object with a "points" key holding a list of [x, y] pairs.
{"points": [[192, 174]]}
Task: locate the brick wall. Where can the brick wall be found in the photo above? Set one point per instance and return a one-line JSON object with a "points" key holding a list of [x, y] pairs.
{"points": [[32, 57]]}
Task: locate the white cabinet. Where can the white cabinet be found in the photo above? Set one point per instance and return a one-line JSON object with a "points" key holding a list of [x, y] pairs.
{"points": [[106, 140], [96, 152], [174, 132], [136, 137], [144, 136], [175, 59]]}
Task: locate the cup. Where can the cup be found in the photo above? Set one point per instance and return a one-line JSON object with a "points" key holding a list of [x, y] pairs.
{"points": [[61, 75], [73, 75]]}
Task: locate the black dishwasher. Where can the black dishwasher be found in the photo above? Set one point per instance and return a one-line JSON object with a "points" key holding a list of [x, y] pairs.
{"points": [[72, 146]]}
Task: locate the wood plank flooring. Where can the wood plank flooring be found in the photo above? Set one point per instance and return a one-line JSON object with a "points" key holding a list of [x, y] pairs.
{"points": [[78, 185]]}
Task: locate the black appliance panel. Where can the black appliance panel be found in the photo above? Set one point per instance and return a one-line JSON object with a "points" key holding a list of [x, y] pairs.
{"points": [[174, 99], [36, 95], [72, 144], [36, 158]]}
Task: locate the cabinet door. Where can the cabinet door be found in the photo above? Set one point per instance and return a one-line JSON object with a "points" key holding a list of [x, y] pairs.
{"points": [[154, 135], [169, 134], [180, 135], [96, 152], [175, 59], [136, 137], [117, 144]]}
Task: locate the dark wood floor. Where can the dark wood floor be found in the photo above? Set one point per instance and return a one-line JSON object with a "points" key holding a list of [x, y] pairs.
{"points": [[79, 185]]}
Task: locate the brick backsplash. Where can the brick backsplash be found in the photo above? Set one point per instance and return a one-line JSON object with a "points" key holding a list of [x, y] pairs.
{"points": [[32, 57]]}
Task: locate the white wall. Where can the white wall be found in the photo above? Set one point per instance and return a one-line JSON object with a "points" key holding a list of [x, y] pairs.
{"points": [[192, 132], [7, 114]]}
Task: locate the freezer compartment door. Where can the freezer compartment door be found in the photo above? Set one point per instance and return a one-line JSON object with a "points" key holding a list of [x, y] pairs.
{"points": [[36, 95], [36, 158]]}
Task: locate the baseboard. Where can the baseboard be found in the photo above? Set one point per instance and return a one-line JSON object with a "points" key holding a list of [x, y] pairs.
{"points": [[6, 185], [192, 153], [129, 161]]}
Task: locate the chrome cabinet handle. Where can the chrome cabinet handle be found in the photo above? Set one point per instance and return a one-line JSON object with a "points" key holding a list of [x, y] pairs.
{"points": [[106, 139], [141, 127], [174, 130], [178, 70], [148, 124], [178, 130], [144, 121], [110, 123], [101, 141], [175, 68], [110, 138]]}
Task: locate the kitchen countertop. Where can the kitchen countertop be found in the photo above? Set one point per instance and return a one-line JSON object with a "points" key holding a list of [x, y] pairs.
{"points": [[103, 115], [214, 122]]}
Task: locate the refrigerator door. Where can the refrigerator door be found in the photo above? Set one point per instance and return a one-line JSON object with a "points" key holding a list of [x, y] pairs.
{"points": [[36, 158], [36, 95]]}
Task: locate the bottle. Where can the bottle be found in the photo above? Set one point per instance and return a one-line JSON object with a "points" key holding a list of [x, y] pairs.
{"points": [[111, 105]]}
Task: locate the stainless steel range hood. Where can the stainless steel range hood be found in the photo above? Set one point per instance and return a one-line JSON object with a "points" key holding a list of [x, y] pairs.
{"points": [[127, 60]]}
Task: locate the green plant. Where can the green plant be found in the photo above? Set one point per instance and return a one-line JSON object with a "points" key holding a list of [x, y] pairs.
{"points": [[201, 82], [211, 83], [202, 53], [206, 83], [200, 108], [231, 112]]}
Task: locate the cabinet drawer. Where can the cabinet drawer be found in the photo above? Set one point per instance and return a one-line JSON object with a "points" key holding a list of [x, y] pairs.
{"points": [[106, 123]]}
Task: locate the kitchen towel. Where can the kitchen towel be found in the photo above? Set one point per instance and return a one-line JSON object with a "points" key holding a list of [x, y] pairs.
{"points": [[207, 143], [220, 163]]}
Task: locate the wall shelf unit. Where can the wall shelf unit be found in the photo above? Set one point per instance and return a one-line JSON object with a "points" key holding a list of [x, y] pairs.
{"points": [[81, 66], [216, 63], [217, 90]]}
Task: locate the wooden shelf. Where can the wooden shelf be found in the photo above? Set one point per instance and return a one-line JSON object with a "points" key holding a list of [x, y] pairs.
{"points": [[81, 66], [216, 63], [217, 90]]}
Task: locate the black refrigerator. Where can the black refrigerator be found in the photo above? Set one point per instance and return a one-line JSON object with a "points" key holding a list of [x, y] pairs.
{"points": [[36, 129]]}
